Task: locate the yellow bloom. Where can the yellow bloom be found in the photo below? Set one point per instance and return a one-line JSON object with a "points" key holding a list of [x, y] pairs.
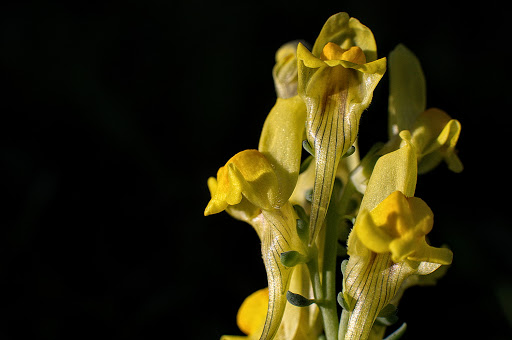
{"points": [[387, 244], [336, 81], [255, 185], [434, 133], [247, 188]]}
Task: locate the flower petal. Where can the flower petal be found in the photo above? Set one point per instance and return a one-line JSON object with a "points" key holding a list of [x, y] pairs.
{"points": [[435, 136], [376, 239], [427, 253], [281, 142], [285, 70], [252, 313], [346, 32], [247, 174], [407, 90], [243, 211], [394, 171]]}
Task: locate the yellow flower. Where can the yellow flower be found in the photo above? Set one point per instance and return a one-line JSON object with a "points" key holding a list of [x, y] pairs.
{"points": [[285, 70], [387, 244], [434, 133], [265, 177], [336, 81], [248, 189], [255, 185]]}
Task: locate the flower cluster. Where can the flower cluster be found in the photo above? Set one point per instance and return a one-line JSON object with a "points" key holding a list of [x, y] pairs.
{"points": [[309, 211]]}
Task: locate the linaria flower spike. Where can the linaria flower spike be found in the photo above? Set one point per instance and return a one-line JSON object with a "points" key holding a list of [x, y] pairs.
{"points": [[306, 208]]}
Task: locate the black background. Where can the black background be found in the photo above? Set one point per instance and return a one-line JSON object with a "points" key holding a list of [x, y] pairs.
{"points": [[114, 115]]}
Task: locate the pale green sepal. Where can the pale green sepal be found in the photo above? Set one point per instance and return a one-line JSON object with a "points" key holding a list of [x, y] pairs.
{"points": [[386, 320], [281, 142], [388, 310], [308, 148], [298, 300], [303, 230], [342, 302], [407, 90], [346, 32], [398, 333], [350, 152], [305, 164], [292, 258]]}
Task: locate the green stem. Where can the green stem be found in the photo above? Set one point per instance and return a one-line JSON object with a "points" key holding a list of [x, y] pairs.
{"points": [[345, 316], [315, 275], [324, 286], [343, 203], [329, 312], [342, 206]]}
